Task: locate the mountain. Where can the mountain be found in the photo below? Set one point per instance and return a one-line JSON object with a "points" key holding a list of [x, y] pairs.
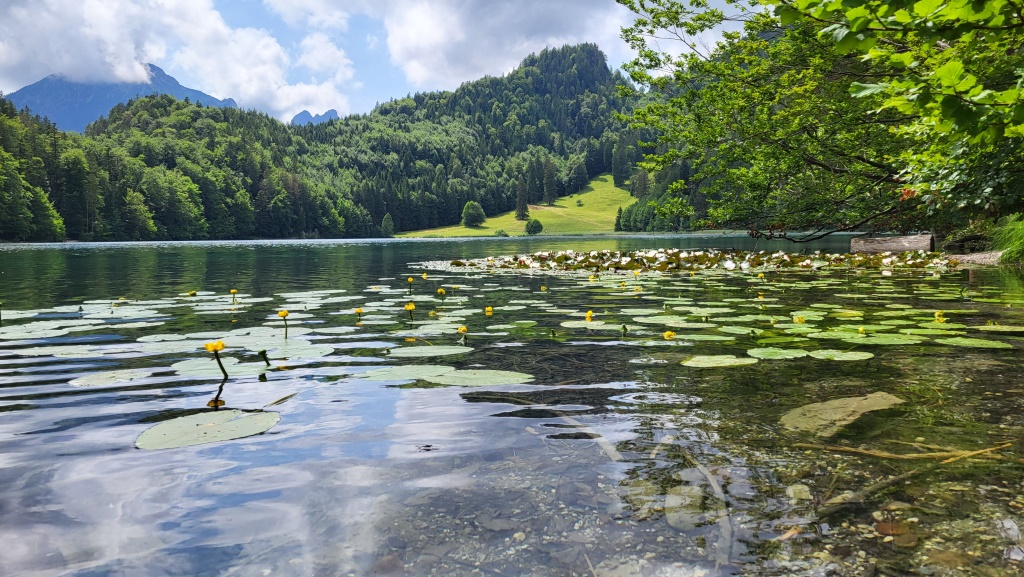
{"points": [[73, 105], [305, 117]]}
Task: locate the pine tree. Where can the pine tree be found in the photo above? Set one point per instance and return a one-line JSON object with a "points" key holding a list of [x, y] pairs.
{"points": [[550, 183], [522, 206], [387, 226], [618, 220]]}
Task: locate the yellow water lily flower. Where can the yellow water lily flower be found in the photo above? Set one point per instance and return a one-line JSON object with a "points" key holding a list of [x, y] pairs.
{"points": [[233, 291], [424, 275], [463, 330], [191, 293], [489, 311], [409, 279], [359, 311], [636, 273], [669, 335], [589, 316], [592, 278], [441, 292], [799, 320], [862, 331], [543, 288], [410, 307], [214, 347], [283, 314], [760, 275]]}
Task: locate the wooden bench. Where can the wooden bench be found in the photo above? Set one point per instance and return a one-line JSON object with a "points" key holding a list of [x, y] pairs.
{"points": [[924, 242]]}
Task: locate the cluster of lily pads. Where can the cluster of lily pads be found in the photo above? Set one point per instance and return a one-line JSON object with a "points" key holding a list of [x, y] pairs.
{"points": [[669, 260], [717, 315]]}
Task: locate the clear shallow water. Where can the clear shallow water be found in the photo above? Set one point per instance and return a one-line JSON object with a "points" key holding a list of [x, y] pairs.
{"points": [[614, 460]]}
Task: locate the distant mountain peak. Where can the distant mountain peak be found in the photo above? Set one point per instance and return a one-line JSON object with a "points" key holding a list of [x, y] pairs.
{"points": [[305, 117], [73, 105]]}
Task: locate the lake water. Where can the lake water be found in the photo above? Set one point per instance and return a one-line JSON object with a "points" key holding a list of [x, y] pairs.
{"points": [[550, 444]]}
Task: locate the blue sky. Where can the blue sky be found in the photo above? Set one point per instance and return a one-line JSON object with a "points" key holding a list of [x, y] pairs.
{"points": [[284, 56]]}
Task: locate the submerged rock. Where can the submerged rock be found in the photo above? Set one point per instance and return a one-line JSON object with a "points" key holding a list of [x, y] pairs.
{"points": [[826, 419]]}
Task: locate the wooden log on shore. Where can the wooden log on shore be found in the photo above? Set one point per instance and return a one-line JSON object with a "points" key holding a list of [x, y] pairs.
{"points": [[893, 243]]}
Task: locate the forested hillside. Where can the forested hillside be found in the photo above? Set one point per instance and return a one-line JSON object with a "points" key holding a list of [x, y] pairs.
{"points": [[159, 168]]}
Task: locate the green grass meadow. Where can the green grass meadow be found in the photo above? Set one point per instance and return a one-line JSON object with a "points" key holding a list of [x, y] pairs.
{"points": [[601, 201]]}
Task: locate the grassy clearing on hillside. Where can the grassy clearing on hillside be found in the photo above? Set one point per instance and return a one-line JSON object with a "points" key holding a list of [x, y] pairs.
{"points": [[601, 201]]}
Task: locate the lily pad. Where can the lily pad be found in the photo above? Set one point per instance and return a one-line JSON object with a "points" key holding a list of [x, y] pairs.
{"points": [[110, 377], [888, 339], [716, 361], [1000, 328], [976, 343], [480, 377], [406, 372], [428, 351], [827, 418], [206, 427], [836, 355], [771, 353]]}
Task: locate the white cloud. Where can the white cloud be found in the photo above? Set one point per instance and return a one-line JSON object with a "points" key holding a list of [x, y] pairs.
{"points": [[314, 13], [319, 54], [372, 41], [442, 43]]}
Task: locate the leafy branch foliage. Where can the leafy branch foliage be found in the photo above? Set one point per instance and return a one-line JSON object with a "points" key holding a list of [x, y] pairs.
{"points": [[828, 115]]}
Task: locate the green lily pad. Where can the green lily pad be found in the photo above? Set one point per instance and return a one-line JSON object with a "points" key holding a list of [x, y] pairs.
{"points": [[206, 427], [946, 326], [999, 328], [781, 340], [836, 355], [772, 353], [479, 377], [734, 330], [582, 324], [110, 377], [406, 372], [931, 332], [428, 351], [160, 338], [717, 361], [976, 343], [887, 339]]}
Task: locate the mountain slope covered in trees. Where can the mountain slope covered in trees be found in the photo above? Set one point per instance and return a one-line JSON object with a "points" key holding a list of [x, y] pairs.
{"points": [[159, 168]]}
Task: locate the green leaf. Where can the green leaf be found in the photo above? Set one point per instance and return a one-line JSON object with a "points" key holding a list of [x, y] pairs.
{"points": [[206, 427], [950, 74], [860, 90]]}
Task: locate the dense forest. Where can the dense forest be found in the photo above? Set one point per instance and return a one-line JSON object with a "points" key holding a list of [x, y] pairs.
{"points": [[158, 168]]}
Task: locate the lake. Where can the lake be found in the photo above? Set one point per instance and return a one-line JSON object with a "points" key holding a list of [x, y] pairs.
{"points": [[605, 424]]}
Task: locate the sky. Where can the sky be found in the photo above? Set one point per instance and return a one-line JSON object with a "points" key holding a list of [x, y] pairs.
{"points": [[285, 56]]}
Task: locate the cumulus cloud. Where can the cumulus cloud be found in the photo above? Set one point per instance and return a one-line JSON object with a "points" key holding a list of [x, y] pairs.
{"points": [[321, 55], [442, 43], [314, 13]]}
